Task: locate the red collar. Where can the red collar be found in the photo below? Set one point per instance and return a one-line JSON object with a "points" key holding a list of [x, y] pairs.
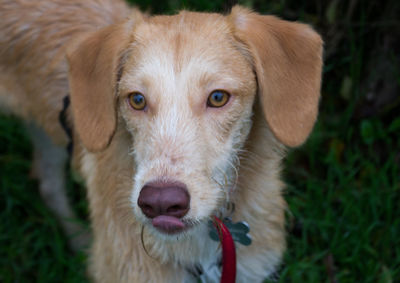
{"points": [[228, 252]]}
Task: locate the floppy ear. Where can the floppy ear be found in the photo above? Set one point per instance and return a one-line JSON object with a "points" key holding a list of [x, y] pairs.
{"points": [[93, 71], [287, 59]]}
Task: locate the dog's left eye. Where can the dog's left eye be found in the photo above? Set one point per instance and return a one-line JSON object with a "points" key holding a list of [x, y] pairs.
{"points": [[137, 100], [218, 98]]}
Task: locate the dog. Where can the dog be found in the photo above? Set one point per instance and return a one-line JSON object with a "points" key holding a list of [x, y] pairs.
{"points": [[175, 119]]}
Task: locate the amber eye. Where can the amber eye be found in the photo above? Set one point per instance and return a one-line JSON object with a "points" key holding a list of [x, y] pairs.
{"points": [[137, 100], [218, 98]]}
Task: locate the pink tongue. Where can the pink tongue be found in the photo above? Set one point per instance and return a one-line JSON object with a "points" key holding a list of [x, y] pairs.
{"points": [[168, 224]]}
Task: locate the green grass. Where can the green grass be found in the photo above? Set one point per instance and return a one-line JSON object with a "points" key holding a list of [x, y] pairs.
{"points": [[343, 199], [343, 184], [33, 247]]}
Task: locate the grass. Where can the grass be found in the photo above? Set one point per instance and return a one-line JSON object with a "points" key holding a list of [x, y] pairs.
{"points": [[33, 247], [344, 218], [343, 184]]}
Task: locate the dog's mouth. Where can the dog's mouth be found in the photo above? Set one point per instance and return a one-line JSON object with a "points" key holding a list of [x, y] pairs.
{"points": [[169, 224]]}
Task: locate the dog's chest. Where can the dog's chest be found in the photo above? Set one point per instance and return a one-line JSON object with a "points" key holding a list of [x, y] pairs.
{"points": [[202, 258], [205, 272], [211, 275]]}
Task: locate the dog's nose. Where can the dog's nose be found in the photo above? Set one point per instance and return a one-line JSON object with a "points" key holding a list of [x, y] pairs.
{"points": [[169, 199]]}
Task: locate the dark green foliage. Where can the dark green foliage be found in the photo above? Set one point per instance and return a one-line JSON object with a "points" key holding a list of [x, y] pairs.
{"points": [[343, 187], [33, 248]]}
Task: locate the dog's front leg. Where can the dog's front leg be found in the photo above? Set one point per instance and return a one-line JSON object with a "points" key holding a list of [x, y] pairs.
{"points": [[49, 167]]}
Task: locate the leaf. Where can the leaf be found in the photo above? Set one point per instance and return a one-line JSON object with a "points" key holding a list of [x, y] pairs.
{"points": [[386, 275], [395, 125], [367, 132], [331, 11], [337, 147], [345, 89]]}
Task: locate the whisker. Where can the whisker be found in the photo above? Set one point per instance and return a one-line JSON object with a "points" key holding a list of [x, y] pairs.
{"points": [[223, 187], [236, 172], [143, 244]]}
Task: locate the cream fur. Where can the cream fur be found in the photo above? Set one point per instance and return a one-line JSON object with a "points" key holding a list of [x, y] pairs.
{"points": [[221, 154]]}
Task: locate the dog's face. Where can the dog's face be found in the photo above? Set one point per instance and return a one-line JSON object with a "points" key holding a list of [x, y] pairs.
{"points": [[184, 88], [186, 95]]}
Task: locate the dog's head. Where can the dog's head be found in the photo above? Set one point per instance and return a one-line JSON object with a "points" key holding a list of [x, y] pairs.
{"points": [[184, 87]]}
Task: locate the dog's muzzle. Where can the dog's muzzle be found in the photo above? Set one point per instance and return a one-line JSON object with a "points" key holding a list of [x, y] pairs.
{"points": [[165, 203]]}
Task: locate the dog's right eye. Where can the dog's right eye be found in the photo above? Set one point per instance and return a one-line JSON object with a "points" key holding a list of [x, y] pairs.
{"points": [[137, 101]]}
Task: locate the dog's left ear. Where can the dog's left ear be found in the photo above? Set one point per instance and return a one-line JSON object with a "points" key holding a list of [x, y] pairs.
{"points": [[287, 58], [93, 72]]}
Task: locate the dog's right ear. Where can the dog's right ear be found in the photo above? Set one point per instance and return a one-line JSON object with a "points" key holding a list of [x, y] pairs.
{"points": [[93, 72]]}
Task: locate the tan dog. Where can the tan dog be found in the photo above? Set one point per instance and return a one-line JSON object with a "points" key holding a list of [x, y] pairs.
{"points": [[174, 118]]}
